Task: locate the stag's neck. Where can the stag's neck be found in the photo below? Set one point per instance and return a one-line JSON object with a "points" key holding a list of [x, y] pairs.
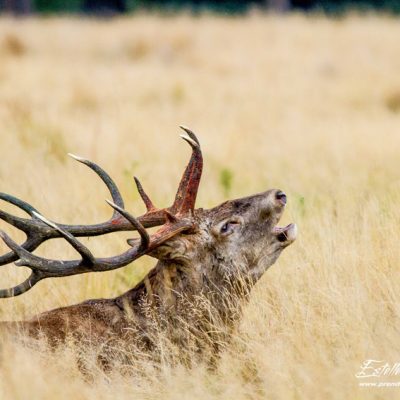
{"points": [[173, 287]]}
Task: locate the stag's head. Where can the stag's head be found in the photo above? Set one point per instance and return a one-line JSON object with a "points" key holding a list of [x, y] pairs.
{"points": [[238, 237]]}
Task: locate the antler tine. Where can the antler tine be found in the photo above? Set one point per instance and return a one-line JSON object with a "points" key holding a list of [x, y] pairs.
{"points": [[185, 198], [21, 288], [20, 223], [25, 257], [145, 238], [112, 187], [190, 133], [23, 205], [146, 199], [15, 247], [29, 226], [78, 246]]}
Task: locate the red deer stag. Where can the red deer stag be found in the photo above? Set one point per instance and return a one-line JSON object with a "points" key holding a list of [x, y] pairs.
{"points": [[216, 254]]}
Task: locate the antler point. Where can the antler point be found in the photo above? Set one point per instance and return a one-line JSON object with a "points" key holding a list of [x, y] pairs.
{"points": [[77, 158], [189, 140], [45, 220], [112, 204]]}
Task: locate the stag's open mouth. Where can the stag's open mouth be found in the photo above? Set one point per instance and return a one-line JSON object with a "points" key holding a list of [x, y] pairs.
{"points": [[286, 234]]}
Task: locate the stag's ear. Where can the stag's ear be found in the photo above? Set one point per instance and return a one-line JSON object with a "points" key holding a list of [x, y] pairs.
{"points": [[228, 226], [176, 249]]}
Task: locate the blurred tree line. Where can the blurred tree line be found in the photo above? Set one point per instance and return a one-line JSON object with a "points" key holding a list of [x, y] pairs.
{"points": [[109, 7]]}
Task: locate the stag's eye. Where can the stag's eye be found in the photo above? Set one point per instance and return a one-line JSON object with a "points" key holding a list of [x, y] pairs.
{"points": [[229, 227], [225, 228]]}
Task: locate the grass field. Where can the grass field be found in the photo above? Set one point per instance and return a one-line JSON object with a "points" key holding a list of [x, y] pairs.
{"points": [[305, 104]]}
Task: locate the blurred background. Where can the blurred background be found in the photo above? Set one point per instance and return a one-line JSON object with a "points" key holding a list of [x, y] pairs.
{"points": [[298, 95]]}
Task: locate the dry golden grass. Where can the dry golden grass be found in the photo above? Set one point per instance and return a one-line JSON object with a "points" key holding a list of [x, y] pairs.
{"points": [[308, 105]]}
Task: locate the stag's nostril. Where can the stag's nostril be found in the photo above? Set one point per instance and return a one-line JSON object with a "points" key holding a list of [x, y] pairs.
{"points": [[281, 197]]}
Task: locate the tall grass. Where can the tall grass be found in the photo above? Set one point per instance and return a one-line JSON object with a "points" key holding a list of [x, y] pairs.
{"points": [[307, 105]]}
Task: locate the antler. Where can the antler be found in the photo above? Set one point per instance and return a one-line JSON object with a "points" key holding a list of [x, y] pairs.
{"points": [[38, 229]]}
